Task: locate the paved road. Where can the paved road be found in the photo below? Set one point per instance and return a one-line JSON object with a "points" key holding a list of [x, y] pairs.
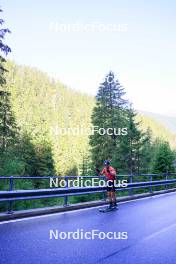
{"points": [[150, 224]]}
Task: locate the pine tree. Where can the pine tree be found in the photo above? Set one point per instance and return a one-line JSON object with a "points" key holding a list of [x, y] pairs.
{"points": [[8, 128], [108, 113]]}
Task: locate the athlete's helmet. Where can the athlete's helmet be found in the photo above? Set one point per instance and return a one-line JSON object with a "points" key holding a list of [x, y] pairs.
{"points": [[107, 162]]}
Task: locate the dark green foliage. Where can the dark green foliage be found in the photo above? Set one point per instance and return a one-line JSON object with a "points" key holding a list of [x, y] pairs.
{"points": [[164, 158], [108, 113], [128, 151], [5, 49], [44, 164], [85, 168], [26, 152], [8, 129], [43, 106], [32, 110]]}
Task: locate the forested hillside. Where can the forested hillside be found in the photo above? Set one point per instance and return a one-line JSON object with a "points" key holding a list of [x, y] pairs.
{"points": [[168, 121], [159, 130], [41, 106]]}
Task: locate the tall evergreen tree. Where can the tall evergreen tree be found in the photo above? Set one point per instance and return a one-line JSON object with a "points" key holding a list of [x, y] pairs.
{"points": [[108, 113], [5, 49], [7, 122], [8, 128]]}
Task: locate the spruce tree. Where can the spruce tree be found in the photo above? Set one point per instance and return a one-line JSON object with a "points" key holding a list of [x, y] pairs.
{"points": [[108, 113]]}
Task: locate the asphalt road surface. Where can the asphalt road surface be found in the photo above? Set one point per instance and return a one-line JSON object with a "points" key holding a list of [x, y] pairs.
{"points": [[147, 226]]}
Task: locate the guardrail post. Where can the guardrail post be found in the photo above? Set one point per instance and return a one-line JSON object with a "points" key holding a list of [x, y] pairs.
{"points": [[10, 204], [151, 179], [131, 181], [166, 180], [66, 197]]}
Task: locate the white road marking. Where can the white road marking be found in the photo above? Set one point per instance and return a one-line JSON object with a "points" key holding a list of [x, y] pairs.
{"points": [[160, 232]]}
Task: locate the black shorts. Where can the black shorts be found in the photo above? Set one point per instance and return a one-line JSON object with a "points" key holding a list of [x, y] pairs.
{"points": [[110, 185]]}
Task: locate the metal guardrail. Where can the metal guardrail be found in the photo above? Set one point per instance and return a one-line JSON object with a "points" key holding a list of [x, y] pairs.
{"points": [[20, 195]]}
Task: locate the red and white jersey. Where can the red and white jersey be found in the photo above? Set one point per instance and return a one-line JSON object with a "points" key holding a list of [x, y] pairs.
{"points": [[109, 172]]}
